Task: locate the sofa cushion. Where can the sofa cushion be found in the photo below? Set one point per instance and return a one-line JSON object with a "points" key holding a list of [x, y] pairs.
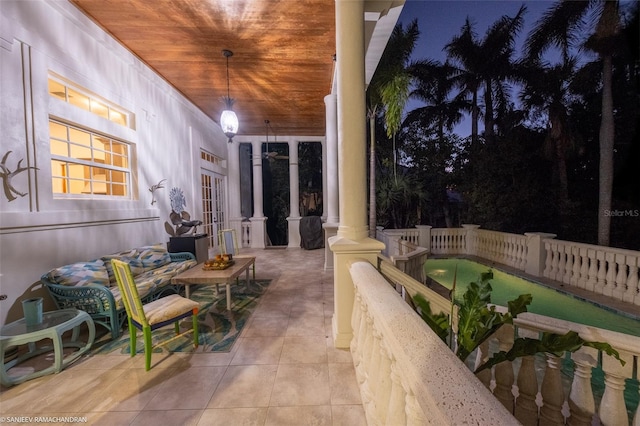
{"points": [[129, 256], [154, 256], [80, 273]]}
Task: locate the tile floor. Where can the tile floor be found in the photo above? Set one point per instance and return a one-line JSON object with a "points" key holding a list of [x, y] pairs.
{"points": [[283, 370]]}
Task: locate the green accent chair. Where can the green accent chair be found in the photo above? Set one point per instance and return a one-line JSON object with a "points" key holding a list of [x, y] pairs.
{"points": [[153, 315]]}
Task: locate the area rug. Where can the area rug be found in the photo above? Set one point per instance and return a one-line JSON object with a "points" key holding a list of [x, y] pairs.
{"points": [[218, 328]]}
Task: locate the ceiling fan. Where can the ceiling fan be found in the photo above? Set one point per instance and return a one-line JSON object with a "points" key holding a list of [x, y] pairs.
{"points": [[271, 155]]}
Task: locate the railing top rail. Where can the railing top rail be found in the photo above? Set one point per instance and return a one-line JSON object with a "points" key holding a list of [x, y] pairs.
{"points": [[617, 340], [412, 286], [506, 234], [626, 252], [442, 390]]}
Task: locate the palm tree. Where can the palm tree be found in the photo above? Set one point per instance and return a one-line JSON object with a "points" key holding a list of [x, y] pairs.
{"points": [[388, 92], [546, 90], [559, 27], [396, 82], [434, 84], [485, 62]]}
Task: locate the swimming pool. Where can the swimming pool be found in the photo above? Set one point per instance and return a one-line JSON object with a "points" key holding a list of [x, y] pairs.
{"points": [[546, 301]]}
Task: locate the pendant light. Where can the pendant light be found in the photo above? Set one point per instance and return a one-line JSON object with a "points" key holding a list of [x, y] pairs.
{"points": [[228, 118]]}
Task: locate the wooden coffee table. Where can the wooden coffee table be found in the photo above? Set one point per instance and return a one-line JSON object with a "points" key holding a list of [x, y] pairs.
{"points": [[197, 275]]}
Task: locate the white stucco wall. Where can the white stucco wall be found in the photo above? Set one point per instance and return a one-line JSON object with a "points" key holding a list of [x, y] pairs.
{"points": [[39, 232]]}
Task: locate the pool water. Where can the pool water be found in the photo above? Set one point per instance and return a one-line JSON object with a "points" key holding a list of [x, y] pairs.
{"points": [[546, 301]]}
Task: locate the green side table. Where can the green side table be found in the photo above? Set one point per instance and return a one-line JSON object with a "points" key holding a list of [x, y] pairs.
{"points": [[54, 325]]}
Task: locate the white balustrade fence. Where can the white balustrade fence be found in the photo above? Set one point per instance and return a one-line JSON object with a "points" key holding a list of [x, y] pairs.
{"points": [[245, 235], [604, 270], [501, 247], [448, 241], [536, 398], [540, 397], [406, 374]]}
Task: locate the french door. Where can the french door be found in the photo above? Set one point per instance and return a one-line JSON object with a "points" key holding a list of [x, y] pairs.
{"points": [[213, 205]]}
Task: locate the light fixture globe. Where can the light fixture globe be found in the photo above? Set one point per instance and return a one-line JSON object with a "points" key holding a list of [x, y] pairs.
{"points": [[229, 123], [228, 118]]}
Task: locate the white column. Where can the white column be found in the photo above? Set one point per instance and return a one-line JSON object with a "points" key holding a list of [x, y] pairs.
{"points": [[325, 195], [352, 240], [294, 196], [330, 177], [331, 189], [352, 135], [258, 221], [233, 186]]}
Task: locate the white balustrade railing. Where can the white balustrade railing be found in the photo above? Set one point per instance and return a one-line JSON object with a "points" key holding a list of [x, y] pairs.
{"points": [[609, 271], [540, 397], [406, 374], [604, 270], [448, 241], [501, 247], [245, 235]]}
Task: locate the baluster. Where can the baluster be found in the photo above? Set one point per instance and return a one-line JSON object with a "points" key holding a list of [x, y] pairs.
{"points": [[526, 410], [374, 371], [504, 371], [610, 277], [383, 388], [636, 417], [555, 261], [415, 415], [396, 412], [482, 355], [621, 277], [548, 262], [602, 271], [581, 403], [577, 266], [612, 407], [568, 267], [584, 270], [356, 325], [552, 393], [631, 295], [593, 270], [365, 349], [562, 262], [367, 387]]}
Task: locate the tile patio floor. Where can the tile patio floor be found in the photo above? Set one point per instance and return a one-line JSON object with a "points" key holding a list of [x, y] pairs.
{"points": [[283, 370]]}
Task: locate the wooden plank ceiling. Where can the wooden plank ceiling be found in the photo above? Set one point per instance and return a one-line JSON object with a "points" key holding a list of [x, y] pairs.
{"points": [[282, 63]]}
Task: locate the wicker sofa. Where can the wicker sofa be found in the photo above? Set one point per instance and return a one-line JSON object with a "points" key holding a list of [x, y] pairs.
{"points": [[91, 286]]}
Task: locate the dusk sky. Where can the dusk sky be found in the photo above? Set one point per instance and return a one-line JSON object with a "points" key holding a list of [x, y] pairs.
{"points": [[439, 21]]}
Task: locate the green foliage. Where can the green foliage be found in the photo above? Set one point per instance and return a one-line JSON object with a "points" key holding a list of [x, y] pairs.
{"points": [[478, 321], [549, 343], [438, 322]]}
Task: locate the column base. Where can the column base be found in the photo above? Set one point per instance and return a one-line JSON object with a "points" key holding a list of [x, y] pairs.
{"points": [[294, 231]]}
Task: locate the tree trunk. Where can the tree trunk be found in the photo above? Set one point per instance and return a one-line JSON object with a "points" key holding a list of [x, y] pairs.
{"points": [[607, 133], [372, 175], [488, 114], [474, 118]]}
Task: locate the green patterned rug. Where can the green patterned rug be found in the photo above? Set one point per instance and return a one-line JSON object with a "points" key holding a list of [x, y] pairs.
{"points": [[218, 328]]}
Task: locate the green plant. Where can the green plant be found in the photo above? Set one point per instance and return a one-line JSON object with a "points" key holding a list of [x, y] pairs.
{"points": [[478, 321]]}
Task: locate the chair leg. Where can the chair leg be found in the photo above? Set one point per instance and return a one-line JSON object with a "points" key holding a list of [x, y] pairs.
{"points": [[195, 328], [176, 327], [132, 338], [148, 349]]}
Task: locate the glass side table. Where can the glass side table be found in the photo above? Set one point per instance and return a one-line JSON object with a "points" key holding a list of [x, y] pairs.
{"points": [[54, 325]]}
